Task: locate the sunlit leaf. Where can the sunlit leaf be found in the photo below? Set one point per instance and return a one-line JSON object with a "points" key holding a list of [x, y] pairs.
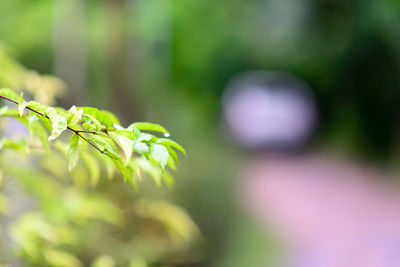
{"points": [[58, 123], [160, 154], [72, 152], [9, 93], [147, 126], [74, 115], [3, 110], [169, 142], [92, 119], [93, 167], [36, 127], [125, 143], [127, 172], [140, 147], [22, 104], [37, 106]]}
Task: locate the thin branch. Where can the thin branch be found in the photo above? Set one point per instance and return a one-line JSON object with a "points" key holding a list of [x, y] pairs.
{"points": [[90, 142], [91, 132], [77, 132]]}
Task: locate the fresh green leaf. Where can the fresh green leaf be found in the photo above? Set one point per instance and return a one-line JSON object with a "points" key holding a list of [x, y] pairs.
{"points": [[149, 168], [107, 163], [3, 110], [93, 167], [147, 126], [169, 142], [72, 152], [126, 171], [92, 119], [37, 106], [103, 116], [9, 93], [58, 123], [160, 154], [36, 127], [104, 143], [107, 118], [172, 154], [127, 133], [140, 147], [22, 105], [2, 142], [74, 115], [126, 144]]}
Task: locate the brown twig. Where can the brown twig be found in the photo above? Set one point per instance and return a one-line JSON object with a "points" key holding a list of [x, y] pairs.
{"points": [[77, 132]]}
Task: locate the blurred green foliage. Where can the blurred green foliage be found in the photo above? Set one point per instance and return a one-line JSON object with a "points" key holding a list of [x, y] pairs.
{"points": [[172, 60]]}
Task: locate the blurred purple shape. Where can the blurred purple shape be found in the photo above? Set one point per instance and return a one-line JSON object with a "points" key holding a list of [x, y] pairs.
{"points": [[269, 109]]}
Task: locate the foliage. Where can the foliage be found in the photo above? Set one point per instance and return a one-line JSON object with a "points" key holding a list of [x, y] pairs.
{"points": [[102, 131], [53, 222], [70, 226]]}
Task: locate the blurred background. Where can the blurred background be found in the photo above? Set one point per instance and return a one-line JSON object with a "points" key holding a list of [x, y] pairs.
{"points": [[289, 111]]}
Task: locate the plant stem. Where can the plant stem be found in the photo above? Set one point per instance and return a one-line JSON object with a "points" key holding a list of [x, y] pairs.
{"points": [[77, 132]]}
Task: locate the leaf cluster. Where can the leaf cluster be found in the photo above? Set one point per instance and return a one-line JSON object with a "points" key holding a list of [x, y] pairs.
{"points": [[97, 138]]}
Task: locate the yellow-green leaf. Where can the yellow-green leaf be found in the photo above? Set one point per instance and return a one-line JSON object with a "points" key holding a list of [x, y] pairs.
{"points": [[169, 142], [160, 154], [147, 126], [58, 123], [22, 105], [93, 167], [74, 115], [72, 151], [9, 93]]}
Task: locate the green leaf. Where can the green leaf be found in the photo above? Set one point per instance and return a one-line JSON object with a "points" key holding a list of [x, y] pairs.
{"points": [[2, 142], [127, 133], [145, 137], [140, 147], [9, 93], [42, 109], [37, 128], [22, 105], [173, 154], [93, 167], [126, 145], [160, 154], [90, 118], [37, 106], [147, 126], [171, 163], [90, 111], [169, 142], [62, 147], [107, 163], [107, 118], [127, 172], [103, 116], [139, 136], [149, 168], [72, 152], [104, 143], [74, 115], [3, 110], [58, 123], [20, 145]]}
